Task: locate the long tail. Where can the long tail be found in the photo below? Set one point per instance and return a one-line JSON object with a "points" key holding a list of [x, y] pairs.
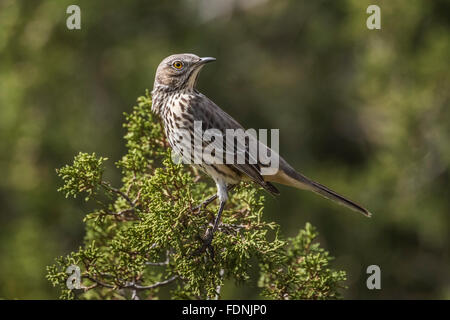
{"points": [[288, 176]]}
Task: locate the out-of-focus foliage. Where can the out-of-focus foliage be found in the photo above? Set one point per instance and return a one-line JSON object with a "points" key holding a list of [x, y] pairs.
{"points": [[363, 111], [148, 236]]}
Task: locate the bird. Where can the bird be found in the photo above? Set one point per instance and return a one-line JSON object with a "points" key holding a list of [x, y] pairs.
{"points": [[181, 106]]}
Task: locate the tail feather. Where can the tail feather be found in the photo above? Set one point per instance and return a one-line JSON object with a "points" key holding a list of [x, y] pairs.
{"points": [[330, 194], [288, 176]]}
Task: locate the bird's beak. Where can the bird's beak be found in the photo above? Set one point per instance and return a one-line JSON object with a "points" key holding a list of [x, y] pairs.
{"points": [[205, 60]]}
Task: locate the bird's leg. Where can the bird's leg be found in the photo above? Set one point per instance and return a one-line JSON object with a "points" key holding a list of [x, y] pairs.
{"points": [[205, 203], [222, 193], [207, 240]]}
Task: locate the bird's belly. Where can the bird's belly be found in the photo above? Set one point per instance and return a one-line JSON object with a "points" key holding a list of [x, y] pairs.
{"points": [[179, 130], [220, 171]]}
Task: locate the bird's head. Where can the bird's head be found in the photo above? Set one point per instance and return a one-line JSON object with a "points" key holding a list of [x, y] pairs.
{"points": [[179, 71]]}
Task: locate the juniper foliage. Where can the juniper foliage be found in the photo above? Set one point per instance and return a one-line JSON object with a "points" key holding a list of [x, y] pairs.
{"points": [[143, 234]]}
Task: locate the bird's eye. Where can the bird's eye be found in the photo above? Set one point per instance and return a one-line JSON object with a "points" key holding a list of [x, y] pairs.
{"points": [[177, 65]]}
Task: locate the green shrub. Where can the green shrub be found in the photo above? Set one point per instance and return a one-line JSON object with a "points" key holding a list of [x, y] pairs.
{"points": [[142, 235]]}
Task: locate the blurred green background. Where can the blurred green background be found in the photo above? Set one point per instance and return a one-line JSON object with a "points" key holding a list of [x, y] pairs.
{"points": [[365, 112]]}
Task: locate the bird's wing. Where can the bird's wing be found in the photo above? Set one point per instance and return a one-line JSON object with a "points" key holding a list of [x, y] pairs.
{"points": [[213, 117]]}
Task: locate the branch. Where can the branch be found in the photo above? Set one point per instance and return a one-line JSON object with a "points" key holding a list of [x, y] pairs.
{"points": [[125, 196], [155, 285], [101, 283], [219, 287], [132, 285], [163, 263], [108, 186]]}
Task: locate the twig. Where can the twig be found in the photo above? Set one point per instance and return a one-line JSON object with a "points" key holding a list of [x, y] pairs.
{"points": [[117, 191], [137, 198], [163, 263], [101, 283], [227, 228], [155, 285], [131, 184], [134, 295], [219, 287], [87, 288], [132, 285]]}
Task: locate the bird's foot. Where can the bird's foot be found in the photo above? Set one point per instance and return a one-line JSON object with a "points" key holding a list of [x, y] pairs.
{"points": [[206, 245]]}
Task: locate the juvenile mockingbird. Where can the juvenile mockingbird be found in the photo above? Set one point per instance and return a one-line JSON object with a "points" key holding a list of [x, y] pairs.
{"points": [[176, 101]]}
